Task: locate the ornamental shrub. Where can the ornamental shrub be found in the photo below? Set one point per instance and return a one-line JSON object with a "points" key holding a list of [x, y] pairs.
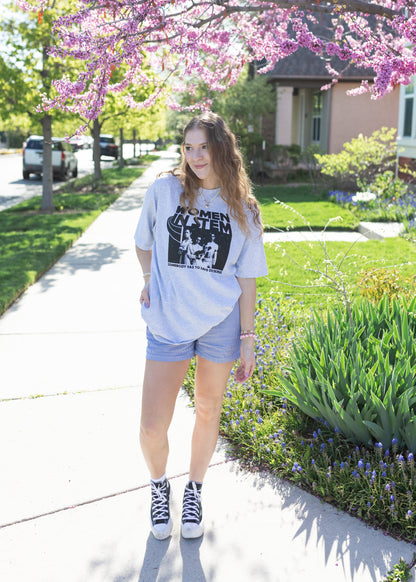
{"points": [[361, 160], [378, 283], [387, 187], [358, 372]]}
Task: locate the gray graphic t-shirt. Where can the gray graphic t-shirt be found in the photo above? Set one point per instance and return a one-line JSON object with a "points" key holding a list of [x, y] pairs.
{"points": [[197, 255]]}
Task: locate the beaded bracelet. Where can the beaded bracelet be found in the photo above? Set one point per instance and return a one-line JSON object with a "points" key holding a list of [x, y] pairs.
{"points": [[245, 334]]}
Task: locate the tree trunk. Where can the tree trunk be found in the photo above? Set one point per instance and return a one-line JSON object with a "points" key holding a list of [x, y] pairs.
{"points": [[134, 143], [96, 154], [120, 157], [47, 172]]}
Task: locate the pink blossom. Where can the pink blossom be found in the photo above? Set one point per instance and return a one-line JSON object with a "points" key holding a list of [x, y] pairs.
{"points": [[165, 44]]}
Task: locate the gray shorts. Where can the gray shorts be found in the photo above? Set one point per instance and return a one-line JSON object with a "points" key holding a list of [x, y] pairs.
{"points": [[220, 344]]}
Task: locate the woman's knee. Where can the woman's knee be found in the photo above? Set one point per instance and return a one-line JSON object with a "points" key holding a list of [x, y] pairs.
{"points": [[152, 432], [208, 409]]}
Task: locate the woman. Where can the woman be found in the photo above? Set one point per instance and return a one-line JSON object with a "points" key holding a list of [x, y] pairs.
{"points": [[204, 310]]}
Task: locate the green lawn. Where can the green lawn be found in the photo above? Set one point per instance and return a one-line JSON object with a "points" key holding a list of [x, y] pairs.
{"points": [[31, 241], [307, 210], [292, 266]]}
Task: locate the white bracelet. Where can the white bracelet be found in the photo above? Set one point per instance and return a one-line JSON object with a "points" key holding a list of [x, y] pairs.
{"points": [[146, 275]]}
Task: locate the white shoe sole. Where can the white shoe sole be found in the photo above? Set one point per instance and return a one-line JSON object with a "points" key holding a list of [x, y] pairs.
{"points": [[192, 530], [161, 531]]}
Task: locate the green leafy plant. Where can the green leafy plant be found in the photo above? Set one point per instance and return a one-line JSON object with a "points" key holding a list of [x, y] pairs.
{"points": [[361, 160], [401, 571], [358, 372], [386, 186]]}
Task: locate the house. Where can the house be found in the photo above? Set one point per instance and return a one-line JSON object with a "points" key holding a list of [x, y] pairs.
{"points": [[406, 138], [305, 114]]}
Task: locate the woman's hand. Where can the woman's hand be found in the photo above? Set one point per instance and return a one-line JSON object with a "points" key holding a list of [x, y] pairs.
{"points": [[247, 360], [144, 295]]}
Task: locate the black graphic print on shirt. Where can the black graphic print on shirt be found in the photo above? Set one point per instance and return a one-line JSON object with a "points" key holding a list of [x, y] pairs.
{"points": [[199, 239]]}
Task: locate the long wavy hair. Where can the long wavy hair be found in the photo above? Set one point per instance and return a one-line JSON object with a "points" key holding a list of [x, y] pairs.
{"points": [[228, 165]]}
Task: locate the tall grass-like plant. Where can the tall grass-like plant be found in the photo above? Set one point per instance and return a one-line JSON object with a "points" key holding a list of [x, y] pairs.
{"points": [[358, 372]]}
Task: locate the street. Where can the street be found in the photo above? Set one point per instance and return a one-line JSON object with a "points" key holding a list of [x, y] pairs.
{"points": [[14, 189]]}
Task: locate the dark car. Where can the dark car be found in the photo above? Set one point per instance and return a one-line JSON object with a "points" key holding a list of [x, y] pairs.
{"points": [[64, 161], [108, 146]]}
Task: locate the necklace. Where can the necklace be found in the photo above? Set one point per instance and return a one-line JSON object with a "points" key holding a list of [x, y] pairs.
{"points": [[208, 202]]}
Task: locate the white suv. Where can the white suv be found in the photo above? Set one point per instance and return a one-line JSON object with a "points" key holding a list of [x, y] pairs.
{"points": [[64, 161]]}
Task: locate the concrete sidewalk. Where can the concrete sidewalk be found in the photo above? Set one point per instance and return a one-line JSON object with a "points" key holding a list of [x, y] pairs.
{"points": [[74, 494]]}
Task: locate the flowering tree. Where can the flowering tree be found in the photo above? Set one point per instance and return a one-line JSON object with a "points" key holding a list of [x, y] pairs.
{"points": [[210, 41]]}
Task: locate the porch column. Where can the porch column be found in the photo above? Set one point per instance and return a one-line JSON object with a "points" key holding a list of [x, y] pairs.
{"points": [[284, 106]]}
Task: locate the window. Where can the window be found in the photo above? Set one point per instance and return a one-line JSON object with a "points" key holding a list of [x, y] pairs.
{"points": [[316, 117], [409, 98]]}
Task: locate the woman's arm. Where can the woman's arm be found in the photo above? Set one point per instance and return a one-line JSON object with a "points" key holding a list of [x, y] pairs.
{"points": [[145, 260], [247, 303]]}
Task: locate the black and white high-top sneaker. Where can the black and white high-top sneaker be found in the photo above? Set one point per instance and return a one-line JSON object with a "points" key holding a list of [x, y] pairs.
{"points": [[161, 523], [192, 524]]}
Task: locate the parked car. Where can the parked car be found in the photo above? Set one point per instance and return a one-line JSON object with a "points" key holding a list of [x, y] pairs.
{"points": [[64, 161], [108, 146], [81, 142]]}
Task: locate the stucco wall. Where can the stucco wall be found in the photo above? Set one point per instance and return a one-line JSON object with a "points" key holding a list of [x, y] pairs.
{"points": [[351, 116]]}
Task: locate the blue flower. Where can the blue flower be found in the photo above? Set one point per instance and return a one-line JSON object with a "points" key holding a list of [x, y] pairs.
{"points": [[360, 464]]}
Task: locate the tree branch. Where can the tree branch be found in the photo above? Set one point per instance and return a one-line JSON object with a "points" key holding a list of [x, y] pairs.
{"points": [[322, 7]]}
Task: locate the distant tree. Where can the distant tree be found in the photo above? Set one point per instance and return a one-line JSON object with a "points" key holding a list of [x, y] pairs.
{"points": [[244, 104], [27, 72], [117, 114]]}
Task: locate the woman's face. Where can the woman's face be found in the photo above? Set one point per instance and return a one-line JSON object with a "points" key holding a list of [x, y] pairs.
{"points": [[199, 159]]}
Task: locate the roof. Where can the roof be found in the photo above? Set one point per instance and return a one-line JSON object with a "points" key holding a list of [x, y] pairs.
{"points": [[303, 65]]}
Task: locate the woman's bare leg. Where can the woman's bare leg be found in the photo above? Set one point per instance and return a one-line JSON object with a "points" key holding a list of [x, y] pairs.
{"points": [[161, 384], [210, 383]]}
